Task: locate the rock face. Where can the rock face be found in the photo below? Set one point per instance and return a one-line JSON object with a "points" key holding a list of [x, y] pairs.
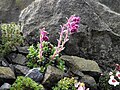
{"points": [[10, 9], [112, 4], [98, 37]]}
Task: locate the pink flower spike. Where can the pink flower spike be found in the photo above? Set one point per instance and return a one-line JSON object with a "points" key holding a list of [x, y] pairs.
{"points": [[72, 24], [73, 31], [43, 32], [69, 28], [76, 20], [43, 37]]}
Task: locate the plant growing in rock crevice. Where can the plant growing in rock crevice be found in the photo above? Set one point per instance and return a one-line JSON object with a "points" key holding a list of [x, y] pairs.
{"points": [[69, 84], [26, 83], [111, 80], [65, 84], [69, 28], [47, 54], [11, 37]]}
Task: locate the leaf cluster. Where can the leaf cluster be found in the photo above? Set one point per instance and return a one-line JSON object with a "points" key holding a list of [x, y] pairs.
{"points": [[65, 84], [26, 83], [103, 81], [48, 50], [11, 37]]}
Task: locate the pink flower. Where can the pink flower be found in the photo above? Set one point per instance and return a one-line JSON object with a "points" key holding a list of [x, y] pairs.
{"points": [[81, 88], [76, 20], [118, 74], [45, 38], [117, 67], [43, 32], [113, 81], [72, 24], [43, 35], [70, 27]]}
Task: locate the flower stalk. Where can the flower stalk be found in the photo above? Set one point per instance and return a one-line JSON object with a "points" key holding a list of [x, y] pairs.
{"points": [[69, 28], [43, 37]]}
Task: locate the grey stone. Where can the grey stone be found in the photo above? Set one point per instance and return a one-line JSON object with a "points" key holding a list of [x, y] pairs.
{"points": [[80, 64], [5, 86], [23, 50], [7, 73], [52, 75], [3, 62], [20, 59], [22, 69], [77, 72], [11, 57], [35, 75], [90, 81], [10, 9], [0, 37], [112, 4], [98, 37]]}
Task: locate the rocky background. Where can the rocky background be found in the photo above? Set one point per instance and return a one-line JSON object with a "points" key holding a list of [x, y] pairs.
{"points": [[10, 9], [98, 38]]}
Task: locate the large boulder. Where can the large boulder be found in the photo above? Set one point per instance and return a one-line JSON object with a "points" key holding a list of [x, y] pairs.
{"points": [[98, 37], [80, 64], [5, 7], [10, 9], [112, 4]]}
